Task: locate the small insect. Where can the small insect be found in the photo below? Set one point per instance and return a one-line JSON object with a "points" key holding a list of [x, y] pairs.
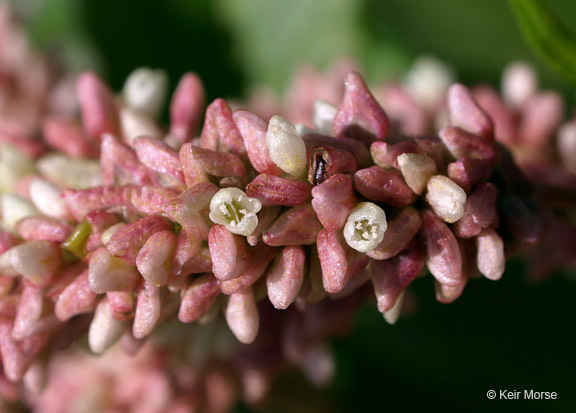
{"points": [[319, 170]]}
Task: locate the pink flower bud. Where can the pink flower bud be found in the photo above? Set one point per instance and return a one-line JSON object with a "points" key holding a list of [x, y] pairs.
{"points": [[128, 240], [228, 252], [29, 312], [444, 260], [120, 164], [541, 117], [504, 122], [479, 211], [218, 163], [401, 230], [157, 156], [391, 277], [296, 226], [198, 298], [81, 202], [191, 168], [259, 260], [108, 273], [266, 217], [285, 277], [333, 261], [154, 260], [122, 304], [147, 311], [17, 357], [47, 229], [386, 155], [242, 316], [461, 143], [386, 186], [490, 259], [274, 190], [99, 112], [148, 200], [76, 298], [359, 115], [465, 113], [253, 130], [186, 108], [333, 200], [220, 132], [467, 172], [68, 137]]}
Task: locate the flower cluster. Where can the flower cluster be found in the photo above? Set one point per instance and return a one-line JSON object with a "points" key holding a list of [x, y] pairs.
{"points": [[275, 229]]}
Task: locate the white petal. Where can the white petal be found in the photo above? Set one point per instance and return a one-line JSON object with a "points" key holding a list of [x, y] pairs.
{"points": [[324, 114], [13, 209], [417, 170], [104, 330]]}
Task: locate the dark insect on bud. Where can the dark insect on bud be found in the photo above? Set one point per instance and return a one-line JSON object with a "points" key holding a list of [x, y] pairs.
{"points": [[319, 170]]}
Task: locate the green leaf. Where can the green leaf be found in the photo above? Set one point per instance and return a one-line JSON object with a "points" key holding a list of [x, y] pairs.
{"points": [[546, 35]]}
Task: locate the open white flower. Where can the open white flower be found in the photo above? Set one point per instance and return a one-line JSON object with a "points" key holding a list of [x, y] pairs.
{"points": [[365, 227], [235, 210], [145, 90], [286, 146], [446, 198]]}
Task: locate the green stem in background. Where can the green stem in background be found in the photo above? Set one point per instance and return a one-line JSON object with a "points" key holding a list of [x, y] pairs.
{"points": [[546, 35]]}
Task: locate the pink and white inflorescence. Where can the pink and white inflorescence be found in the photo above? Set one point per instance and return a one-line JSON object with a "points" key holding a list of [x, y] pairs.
{"points": [[266, 229]]}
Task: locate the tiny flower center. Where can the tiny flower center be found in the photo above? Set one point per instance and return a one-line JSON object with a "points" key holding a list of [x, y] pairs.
{"points": [[233, 212], [366, 230]]}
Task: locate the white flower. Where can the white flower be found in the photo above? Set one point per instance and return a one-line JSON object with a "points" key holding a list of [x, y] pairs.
{"points": [[235, 210], [446, 198], [429, 80], [145, 90], [286, 146], [365, 227], [14, 208]]}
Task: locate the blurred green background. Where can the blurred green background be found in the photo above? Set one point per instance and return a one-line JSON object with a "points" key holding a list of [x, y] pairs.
{"points": [[511, 334]]}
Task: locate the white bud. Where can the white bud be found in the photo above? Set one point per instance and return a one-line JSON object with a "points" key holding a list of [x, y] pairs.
{"points": [[136, 124], [417, 170], [365, 227], [392, 315], [48, 199], [145, 90], [14, 165], [108, 273], [13, 209], [73, 173], [286, 146], [235, 210], [428, 81], [105, 330], [519, 83], [446, 198], [324, 114], [490, 257], [36, 261]]}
